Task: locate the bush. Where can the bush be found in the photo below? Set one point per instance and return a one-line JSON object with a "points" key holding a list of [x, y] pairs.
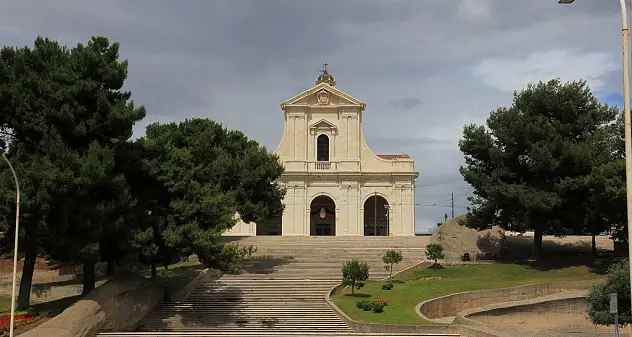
{"points": [[376, 304], [379, 301], [378, 307], [617, 281], [387, 286], [364, 305]]}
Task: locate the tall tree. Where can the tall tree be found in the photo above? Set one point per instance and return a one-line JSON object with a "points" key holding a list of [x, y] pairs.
{"points": [[74, 97], [41, 181], [205, 175], [97, 122], [30, 93], [525, 164]]}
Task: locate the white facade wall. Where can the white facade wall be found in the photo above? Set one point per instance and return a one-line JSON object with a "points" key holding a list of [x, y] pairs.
{"points": [[351, 176]]}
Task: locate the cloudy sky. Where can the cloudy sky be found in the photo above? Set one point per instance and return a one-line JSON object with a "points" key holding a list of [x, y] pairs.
{"points": [[423, 67]]}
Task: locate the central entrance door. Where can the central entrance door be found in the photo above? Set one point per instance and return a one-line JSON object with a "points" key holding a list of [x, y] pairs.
{"points": [[376, 216], [322, 219]]}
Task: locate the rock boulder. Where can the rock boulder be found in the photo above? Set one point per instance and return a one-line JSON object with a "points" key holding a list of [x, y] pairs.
{"points": [[456, 240]]}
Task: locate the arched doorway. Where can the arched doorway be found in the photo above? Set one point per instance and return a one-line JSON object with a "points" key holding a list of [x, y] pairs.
{"points": [[376, 216], [322, 216]]}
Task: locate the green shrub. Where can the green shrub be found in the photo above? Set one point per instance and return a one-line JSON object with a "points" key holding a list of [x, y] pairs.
{"points": [[378, 307], [617, 281], [387, 286], [378, 304], [365, 305]]}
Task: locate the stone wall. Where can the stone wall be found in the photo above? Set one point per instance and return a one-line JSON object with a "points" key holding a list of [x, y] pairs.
{"points": [[116, 306], [553, 308], [451, 305]]}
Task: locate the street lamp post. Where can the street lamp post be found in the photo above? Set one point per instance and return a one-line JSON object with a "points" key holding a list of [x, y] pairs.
{"points": [[626, 114], [15, 245]]}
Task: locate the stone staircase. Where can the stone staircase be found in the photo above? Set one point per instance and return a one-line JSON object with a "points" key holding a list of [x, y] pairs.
{"points": [[322, 256], [281, 291]]}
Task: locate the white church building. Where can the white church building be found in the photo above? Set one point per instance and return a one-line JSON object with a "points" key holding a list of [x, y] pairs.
{"points": [[335, 184]]}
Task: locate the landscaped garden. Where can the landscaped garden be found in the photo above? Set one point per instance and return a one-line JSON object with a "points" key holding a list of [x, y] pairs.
{"points": [[423, 283]]}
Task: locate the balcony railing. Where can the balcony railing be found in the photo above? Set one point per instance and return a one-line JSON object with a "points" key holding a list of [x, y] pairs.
{"points": [[322, 165]]}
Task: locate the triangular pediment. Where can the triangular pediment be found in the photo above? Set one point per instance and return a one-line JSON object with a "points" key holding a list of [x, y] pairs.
{"points": [[322, 124], [323, 94]]}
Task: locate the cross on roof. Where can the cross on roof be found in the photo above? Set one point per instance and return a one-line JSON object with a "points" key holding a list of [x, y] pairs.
{"points": [[325, 67]]}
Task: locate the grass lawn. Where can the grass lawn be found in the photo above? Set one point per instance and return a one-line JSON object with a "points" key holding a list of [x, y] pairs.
{"points": [[5, 303], [421, 283]]}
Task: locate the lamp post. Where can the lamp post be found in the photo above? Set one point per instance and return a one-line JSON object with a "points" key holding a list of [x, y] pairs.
{"points": [[15, 245], [626, 114]]}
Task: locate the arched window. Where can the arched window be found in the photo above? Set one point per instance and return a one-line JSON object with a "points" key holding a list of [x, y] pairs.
{"points": [[322, 148]]}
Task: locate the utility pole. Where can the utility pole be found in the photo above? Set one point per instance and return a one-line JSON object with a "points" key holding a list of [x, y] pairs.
{"points": [[452, 205]]}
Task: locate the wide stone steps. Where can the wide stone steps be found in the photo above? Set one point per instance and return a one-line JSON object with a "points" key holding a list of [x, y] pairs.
{"points": [[281, 291], [238, 303], [260, 327]]}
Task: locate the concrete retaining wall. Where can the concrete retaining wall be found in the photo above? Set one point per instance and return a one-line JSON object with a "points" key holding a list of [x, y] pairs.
{"points": [[451, 305], [116, 306], [548, 309]]}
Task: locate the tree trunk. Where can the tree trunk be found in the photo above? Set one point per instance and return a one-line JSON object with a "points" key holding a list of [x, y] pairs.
{"points": [[110, 268], [24, 296], [594, 245], [537, 244], [390, 275], [88, 277], [352, 286], [153, 270]]}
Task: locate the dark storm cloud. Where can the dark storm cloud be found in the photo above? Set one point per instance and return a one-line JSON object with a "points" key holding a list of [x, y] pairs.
{"points": [[409, 60]]}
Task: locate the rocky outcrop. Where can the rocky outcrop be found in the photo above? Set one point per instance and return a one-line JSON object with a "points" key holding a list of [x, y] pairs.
{"points": [[116, 306], [457, 239]]}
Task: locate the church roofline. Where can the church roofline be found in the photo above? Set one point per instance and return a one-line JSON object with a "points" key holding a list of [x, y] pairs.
{"points": [[393, 156], [318, 87]]}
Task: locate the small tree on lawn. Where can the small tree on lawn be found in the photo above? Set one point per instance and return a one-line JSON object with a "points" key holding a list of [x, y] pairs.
{"points": [[390, 258], [354, 274], [434, 251], [617, 281]]}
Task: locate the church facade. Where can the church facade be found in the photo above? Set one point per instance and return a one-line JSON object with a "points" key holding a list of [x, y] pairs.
{"points": [[335, 184]]}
